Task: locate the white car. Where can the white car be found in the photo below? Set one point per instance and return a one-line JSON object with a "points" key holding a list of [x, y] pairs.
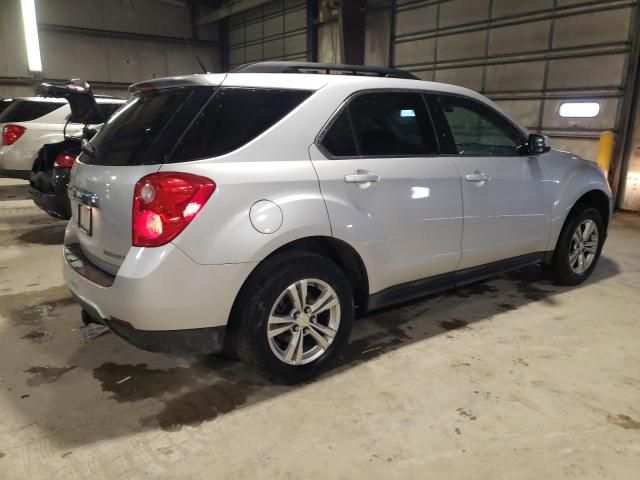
{"points": [[28, 123], [257, 211]]}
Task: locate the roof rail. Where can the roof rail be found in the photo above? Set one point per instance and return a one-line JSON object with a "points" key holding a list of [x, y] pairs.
{"points": [[325, 68]]}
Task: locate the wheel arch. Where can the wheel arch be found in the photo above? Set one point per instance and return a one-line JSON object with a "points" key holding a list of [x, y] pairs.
{"points": [[595, 198], [340, 252]]}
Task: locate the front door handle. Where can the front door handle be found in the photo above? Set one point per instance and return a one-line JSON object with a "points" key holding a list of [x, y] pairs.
{"points": [[477, 177], [362, 176]]}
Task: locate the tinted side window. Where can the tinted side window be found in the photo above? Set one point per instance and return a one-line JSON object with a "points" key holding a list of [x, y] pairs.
{"points": [[234, 117], [382, 124], [478, 130], [27, 110], [339, 140]]}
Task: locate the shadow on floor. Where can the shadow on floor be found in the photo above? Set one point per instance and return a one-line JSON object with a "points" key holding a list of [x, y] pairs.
{"points": [[170, 392], [52, 233]]}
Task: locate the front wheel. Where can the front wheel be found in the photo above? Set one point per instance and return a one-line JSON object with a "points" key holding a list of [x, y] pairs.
{"points": [[295, 316], [579, 247]]}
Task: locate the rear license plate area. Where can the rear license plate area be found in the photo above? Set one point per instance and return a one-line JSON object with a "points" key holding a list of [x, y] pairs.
{"points": [[85, 219]]}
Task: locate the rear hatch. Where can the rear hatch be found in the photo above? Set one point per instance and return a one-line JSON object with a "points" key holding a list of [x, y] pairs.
{"points": [[41, 177], [133, 143]]}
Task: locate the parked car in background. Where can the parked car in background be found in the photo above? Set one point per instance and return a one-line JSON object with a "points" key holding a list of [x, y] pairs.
{"points": [[258, 211], [30, 122], [49, 176]]}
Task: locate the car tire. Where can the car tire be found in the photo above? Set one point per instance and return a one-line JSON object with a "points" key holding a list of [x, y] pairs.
{"points": [[277, 335], [579, 246]]}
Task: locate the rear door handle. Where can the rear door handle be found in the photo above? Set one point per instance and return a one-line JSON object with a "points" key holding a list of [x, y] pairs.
{"points": [[477, 177], [362, 176]]}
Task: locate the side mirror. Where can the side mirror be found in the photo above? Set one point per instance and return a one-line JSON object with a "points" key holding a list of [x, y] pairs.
{"points": [[538, 144]]}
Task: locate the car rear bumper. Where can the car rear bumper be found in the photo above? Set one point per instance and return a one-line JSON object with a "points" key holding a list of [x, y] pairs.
{"points": [[21, 174], [55, 204], [194, 340], [160, 299], [16, 162]]}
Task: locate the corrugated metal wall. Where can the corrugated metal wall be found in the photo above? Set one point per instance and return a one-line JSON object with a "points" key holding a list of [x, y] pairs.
{"points": [[276, 31], [530, 56]]}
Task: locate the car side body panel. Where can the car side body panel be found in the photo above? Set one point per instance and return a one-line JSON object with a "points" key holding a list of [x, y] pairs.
{"points": [[278, 167], [569, 177]]}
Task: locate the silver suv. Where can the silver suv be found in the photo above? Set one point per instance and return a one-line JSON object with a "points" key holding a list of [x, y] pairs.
{"points": [[257, 211]]}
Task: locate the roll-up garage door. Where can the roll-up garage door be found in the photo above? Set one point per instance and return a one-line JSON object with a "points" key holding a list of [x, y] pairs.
{"points": [[275, 31], [532, 57]]}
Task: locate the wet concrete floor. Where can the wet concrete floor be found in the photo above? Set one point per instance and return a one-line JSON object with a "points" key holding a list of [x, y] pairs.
{"points": [[512, 378]]}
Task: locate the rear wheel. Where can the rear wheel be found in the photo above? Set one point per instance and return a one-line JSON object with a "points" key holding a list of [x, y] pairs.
{"points": [[295, 316], [579, 247]]}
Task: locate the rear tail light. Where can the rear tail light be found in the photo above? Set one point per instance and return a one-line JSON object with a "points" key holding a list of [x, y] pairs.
{"points": [[11, 133], [164, 203], [64, 160]]}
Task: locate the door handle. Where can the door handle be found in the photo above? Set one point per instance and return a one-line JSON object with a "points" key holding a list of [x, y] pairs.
{"points": [[477, 177], [362, 176]]}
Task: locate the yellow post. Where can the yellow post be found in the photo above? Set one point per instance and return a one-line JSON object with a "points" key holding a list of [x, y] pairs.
{"points": [[605, 150]]}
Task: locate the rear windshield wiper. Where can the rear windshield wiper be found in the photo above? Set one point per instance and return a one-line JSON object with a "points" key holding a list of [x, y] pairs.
{"points": [[88, 148]]}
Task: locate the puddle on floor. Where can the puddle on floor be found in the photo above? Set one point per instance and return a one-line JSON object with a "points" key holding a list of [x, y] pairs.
{"points": [[47, 235], [624, 421], [200, 405], [130, 383], [32, 308], [453, 324], [48, 374], [38, 336]]}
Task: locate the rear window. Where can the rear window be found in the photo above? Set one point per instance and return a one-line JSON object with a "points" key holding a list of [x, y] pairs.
{"points": [[130, 136], [4, 103], [185, 124], [108, 109], [27, 110], [233, 117]]}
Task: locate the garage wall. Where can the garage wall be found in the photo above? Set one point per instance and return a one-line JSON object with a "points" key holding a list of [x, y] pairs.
{"points": [[13, 54], [110, 43], [275, 31], [530, 56]]}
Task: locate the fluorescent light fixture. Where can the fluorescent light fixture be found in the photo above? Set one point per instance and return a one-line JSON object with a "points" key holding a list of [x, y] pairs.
{"points": [[579, 109], [31, 35], [407, 113]]}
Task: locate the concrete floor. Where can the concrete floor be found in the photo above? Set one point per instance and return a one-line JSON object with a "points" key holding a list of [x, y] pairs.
{"points": [[511, 379]]}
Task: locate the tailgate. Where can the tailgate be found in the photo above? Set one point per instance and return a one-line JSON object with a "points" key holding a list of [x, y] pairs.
{"points": [[133, 143]]}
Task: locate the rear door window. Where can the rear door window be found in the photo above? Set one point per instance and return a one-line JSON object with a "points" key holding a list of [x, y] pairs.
{"points": [[27, 110], [382, 124], [232, 118]]}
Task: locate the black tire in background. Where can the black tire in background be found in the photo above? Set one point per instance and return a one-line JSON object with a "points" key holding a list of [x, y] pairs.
{"points": [[258, 296], [561, 271]]}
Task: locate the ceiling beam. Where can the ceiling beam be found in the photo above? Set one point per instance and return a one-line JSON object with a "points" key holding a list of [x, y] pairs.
{"points": [[232, 7]]}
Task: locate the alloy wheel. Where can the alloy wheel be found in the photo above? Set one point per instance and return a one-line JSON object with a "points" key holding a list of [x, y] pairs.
{"points": [[303, 321], [584, 247]]}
